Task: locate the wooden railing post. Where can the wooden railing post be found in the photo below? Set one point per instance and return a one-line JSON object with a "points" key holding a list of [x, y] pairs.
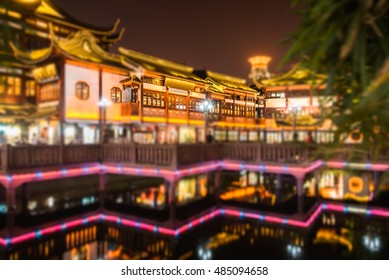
{"points": [[101, 153], [4, 158], [61, 152], [259, 152], [132, 155], [174, 159]]}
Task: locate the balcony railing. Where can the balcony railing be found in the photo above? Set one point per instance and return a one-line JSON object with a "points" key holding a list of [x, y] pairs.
{"points": [[17, 158]]}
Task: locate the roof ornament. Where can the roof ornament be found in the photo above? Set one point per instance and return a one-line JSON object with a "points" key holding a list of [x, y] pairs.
{"points": [[259, 67]]}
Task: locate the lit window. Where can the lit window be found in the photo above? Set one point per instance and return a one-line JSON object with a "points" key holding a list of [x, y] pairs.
{"points": [[3, 84], [49, 92], [30, 88], [116, 95], [13, 85], [82, 90]]}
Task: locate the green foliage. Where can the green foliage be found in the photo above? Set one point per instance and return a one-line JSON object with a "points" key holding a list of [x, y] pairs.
{"points": [[348, 41]]}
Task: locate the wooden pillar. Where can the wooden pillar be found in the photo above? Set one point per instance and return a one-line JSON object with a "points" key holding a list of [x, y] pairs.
{"points": [[155, 198], [156, 130], [61, 109], [101, 109], [278, 188], [187, 108], [317, 179], [102, 189], [300, 194], [166, 96], [376, 178], [167, 194], [11, 206], [282, 135], [132, 132], [141, 104], [172, 186], [178, 134], [4, 158], [300, 185], [216, 189], [376, 182]]}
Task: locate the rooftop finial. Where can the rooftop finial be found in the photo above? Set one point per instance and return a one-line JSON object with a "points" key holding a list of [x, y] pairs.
{"points": [[259, 67]]}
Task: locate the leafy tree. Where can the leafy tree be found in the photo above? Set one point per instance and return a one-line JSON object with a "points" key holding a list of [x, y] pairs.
{"points": [[348, 41]]}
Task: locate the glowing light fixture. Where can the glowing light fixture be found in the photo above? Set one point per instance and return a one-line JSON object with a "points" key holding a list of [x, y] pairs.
{"points": [[104, 102]]}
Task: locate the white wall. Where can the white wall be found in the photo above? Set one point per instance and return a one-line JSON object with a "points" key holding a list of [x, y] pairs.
{"points": [[111, 80], [75, 108]]}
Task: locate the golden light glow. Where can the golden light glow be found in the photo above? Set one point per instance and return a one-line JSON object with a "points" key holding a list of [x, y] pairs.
{"points": [[186, 256], [225, 78], [14, 14], [259, 61], [172, 120], [355, 184], [114, 254], [28, 1], [46, 72], [179, 84], [238, 193], [46, 9], [81, 116], [351, 196], [75, 252], [330, 236], [221, 239], [243, 125]]}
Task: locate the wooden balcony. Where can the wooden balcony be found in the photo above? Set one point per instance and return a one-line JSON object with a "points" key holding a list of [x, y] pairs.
{"points": [[22, 158]]}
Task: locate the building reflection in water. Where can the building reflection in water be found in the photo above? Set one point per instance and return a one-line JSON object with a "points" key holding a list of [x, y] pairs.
{"points": [[257, 187], [341, 184], [333, 235], [372, 242]]}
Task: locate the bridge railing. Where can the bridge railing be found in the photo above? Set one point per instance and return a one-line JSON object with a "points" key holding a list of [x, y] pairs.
{"points": [[13, 158], [160, 155], [254, 152], [81, 153]]}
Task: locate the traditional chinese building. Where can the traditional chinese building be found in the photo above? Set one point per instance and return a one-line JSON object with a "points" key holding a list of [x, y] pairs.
{"points": [[291, 102], [39, 45], [56, 70]]}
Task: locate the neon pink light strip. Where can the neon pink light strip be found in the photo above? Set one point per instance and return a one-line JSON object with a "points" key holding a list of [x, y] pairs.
{"points": [[23, 237], [339, 208], [195, 222], [352, 165], [118, 169]]}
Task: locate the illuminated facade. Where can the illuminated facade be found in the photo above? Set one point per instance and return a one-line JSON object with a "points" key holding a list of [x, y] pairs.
{"points": [[56, 70], [292, 103], [60, 85]]}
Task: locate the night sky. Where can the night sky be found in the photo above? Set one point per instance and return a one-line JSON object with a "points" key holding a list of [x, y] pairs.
{"points": [[213, 34]]}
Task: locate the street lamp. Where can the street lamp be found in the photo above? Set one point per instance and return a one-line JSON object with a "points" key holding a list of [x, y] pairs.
{"points": [[103, 104], [206, 107]]}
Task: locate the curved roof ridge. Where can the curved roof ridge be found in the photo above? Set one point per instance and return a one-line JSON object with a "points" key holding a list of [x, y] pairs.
{"points": [[52, 10], [82, 45], [298, 74], [145, 58]]}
